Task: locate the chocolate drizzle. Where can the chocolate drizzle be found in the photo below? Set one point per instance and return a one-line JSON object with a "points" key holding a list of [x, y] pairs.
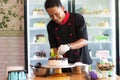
{"points": [[57, 58]]}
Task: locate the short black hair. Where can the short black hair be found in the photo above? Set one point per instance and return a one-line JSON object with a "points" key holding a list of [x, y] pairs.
{"points": [[52, 3]]}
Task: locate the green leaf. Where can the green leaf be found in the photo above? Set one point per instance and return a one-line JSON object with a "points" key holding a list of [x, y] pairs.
{"points": [[9, 12], [20, 28], [2, 13], [1, 8], [21, 18], [5, 1], [1, 25], [5, 17], [5, 26], [15, 15], [8, 20], [3, 22]]}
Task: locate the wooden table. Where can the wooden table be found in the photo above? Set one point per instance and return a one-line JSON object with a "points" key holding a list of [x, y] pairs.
{"points": [[72, 77]]}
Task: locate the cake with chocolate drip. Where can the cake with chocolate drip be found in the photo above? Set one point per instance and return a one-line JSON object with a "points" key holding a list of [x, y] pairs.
{"points": [[57, 61]]}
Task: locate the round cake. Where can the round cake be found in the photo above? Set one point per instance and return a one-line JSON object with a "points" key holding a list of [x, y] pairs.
{"points": [[105, 66], [39, 24], [57, 61], [38, 12], [40, 38]]}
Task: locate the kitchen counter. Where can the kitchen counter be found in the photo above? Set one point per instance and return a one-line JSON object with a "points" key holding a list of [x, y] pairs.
{"points": [[58, 75], [72, 77]]}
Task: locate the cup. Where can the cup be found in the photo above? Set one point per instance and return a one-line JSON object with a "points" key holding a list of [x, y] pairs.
{"points": [[105, 74], [12, 76], [17, 75], [13, 68]]}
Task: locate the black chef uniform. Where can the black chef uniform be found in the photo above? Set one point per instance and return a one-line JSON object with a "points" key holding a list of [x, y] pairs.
{"points": [[72, 28]]}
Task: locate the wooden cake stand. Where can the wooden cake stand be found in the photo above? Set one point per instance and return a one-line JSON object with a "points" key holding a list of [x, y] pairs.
{"points": [[58, 75]]}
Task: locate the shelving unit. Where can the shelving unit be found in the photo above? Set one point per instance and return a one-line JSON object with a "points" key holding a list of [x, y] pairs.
{"points": [[36, 37], [100, 21], [38, 46]]}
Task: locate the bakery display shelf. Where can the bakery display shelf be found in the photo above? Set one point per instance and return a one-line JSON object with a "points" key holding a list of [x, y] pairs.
{"points": [[99, 58], [97, 15], [98, 27], [36, 2], [42, 17], [40, 43], [99, 42], [38, 28], [39, 58]]}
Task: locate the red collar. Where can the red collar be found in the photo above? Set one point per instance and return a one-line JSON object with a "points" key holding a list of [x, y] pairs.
{"points": [[67, 14]]}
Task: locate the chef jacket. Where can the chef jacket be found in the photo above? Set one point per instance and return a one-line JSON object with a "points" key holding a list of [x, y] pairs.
{"points": [[71, 29]]}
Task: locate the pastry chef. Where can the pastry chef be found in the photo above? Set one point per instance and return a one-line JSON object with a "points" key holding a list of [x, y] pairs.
{"points": [[67, 33]]}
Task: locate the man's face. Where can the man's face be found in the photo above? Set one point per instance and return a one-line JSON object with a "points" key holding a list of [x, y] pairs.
{"points": [[57, 14]]}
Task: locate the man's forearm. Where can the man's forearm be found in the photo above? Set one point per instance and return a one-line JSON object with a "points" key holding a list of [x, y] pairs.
{"points": [[78, 44]]}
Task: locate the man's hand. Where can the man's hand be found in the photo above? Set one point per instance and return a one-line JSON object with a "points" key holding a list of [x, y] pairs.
{"points": [[63, 49]]}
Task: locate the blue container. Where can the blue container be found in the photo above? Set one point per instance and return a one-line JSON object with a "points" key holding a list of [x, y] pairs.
{"points": [[17, 75]]}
